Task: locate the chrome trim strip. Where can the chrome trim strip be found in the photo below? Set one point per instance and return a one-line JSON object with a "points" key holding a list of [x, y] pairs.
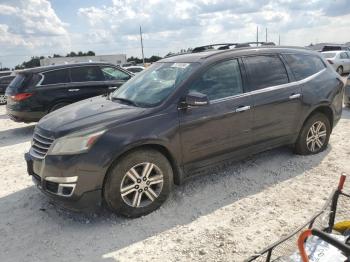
{"points": [[60, 189], [270, 88], [62, 180]]}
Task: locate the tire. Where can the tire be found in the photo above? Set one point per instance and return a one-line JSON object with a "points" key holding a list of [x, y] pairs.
{"points": [[58, 106], [340, 70], [2, 99], [303, 147], [122, 175]]}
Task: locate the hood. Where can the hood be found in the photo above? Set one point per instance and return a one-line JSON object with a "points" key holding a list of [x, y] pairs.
{"points": [[88, 113]]}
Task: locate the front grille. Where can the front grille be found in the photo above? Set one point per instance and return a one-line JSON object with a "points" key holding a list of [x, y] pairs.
{"points": [[40, 145]]}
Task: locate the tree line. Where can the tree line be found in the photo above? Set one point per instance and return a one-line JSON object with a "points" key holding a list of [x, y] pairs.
{"points": [[34, 61]]}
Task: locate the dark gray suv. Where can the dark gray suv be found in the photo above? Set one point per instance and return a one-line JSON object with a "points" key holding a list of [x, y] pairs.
{"points": [[177, 118]]}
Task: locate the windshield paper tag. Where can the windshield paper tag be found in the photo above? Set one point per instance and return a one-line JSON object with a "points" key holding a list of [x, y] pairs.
{"points": [[180, 65]]}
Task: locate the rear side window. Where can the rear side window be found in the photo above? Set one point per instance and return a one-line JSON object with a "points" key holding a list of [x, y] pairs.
{"points": [[304, 65], [111, 73], [329, 55], [86, 74], [220, 81], [5, 80], [265, 71], [344, 56], [55, 77]]}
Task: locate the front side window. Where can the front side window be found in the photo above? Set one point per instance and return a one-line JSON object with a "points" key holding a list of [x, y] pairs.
{"points": [[304, 66], [220, 81], [153, 85], [86, 74], [55, 77], [265, 71], [112, 73]]}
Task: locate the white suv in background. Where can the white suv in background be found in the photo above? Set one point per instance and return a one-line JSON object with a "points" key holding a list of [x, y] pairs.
{"points": [[340, 60]]}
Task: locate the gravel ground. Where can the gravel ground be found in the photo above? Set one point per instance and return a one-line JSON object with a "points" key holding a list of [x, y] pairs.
{"points": [[224, 216]]}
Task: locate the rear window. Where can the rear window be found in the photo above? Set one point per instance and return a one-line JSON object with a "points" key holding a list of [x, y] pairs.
{"points": [[55, 77], [23, 82], [86, 74], [265, 71], [304, 66], [329, 55]]}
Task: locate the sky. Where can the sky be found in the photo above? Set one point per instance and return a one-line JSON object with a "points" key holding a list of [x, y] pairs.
{"points": [[46, 27]]}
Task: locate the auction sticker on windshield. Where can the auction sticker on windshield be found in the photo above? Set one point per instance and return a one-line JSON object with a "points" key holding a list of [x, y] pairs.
{"points": [[180, 65]]}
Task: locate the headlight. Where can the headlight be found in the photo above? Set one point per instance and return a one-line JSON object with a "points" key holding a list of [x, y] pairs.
{"points": [[74, 144]]}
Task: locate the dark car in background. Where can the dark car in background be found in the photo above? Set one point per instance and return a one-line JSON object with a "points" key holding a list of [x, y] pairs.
{"points": [[37, 91], [4, 82], [179, 117]]}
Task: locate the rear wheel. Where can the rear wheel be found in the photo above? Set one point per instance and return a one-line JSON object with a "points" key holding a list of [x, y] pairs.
{"points": [[58, 106], [340, 70], [138, 183], [314, 135], [2, 99]]}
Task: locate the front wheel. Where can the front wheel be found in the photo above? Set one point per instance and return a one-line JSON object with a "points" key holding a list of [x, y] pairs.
{"points": [[138, 183], [314, 135]]}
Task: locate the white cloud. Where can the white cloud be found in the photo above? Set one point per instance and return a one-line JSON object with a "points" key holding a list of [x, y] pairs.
{"points": [[30, 27], [169, 25]]}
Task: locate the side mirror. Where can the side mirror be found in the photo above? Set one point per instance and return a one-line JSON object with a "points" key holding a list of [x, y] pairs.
{"points": [[196, 99]]}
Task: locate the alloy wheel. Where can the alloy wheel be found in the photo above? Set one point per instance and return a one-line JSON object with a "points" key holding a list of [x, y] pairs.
{"points": [[141, 185], [316, 136], [2, 99]]}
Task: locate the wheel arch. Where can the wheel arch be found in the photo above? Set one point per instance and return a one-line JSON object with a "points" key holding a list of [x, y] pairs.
{"points": [[178, 175], [323, 109]]}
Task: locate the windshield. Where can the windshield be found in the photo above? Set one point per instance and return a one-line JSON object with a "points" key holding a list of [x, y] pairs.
{"points": [[329, 55], [153, 85]]}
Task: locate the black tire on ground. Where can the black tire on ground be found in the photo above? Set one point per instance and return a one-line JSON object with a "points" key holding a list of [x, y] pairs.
{"points": [[58, 106], [340, 70], [301, 147], [112, 186]]}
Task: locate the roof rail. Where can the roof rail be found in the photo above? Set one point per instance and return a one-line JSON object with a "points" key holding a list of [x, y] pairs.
{"points": [[228, 45]]}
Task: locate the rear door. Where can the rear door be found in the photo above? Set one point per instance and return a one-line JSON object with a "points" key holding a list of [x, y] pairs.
{"points": [[211, 132], [87, 81], [277, 102], [52, 88], [114, 77]]}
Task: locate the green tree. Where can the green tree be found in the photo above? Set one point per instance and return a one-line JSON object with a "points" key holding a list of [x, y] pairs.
{"points": [[33, 62]]}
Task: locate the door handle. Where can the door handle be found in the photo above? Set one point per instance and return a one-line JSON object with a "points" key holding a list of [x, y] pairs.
{"points": [[112, 87], [73, 90], [242, 108], [294, 96]]}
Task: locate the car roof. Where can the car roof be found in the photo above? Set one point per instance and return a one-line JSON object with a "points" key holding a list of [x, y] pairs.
{"points": [[55, 67], [201, 57]]}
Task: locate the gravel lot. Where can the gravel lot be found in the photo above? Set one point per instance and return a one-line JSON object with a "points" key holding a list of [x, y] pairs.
{"points": [[224, 216]]}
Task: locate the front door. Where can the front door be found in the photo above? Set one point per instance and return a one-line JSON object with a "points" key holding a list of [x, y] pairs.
{"points": [[211, 132]]}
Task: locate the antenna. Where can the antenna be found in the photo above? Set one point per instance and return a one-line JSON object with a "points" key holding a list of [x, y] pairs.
{"points": [[143, 57], [257, 35], [266, 35]]}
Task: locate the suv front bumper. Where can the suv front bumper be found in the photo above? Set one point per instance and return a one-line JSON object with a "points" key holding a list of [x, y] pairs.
{"points": [[75, 192]]}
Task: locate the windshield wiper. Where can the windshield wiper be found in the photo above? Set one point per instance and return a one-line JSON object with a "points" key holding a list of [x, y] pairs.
{"points": [[125, 100]]}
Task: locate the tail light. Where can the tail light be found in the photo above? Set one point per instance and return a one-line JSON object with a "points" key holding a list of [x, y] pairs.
{"points": [[330, 61], [21, 96]]}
